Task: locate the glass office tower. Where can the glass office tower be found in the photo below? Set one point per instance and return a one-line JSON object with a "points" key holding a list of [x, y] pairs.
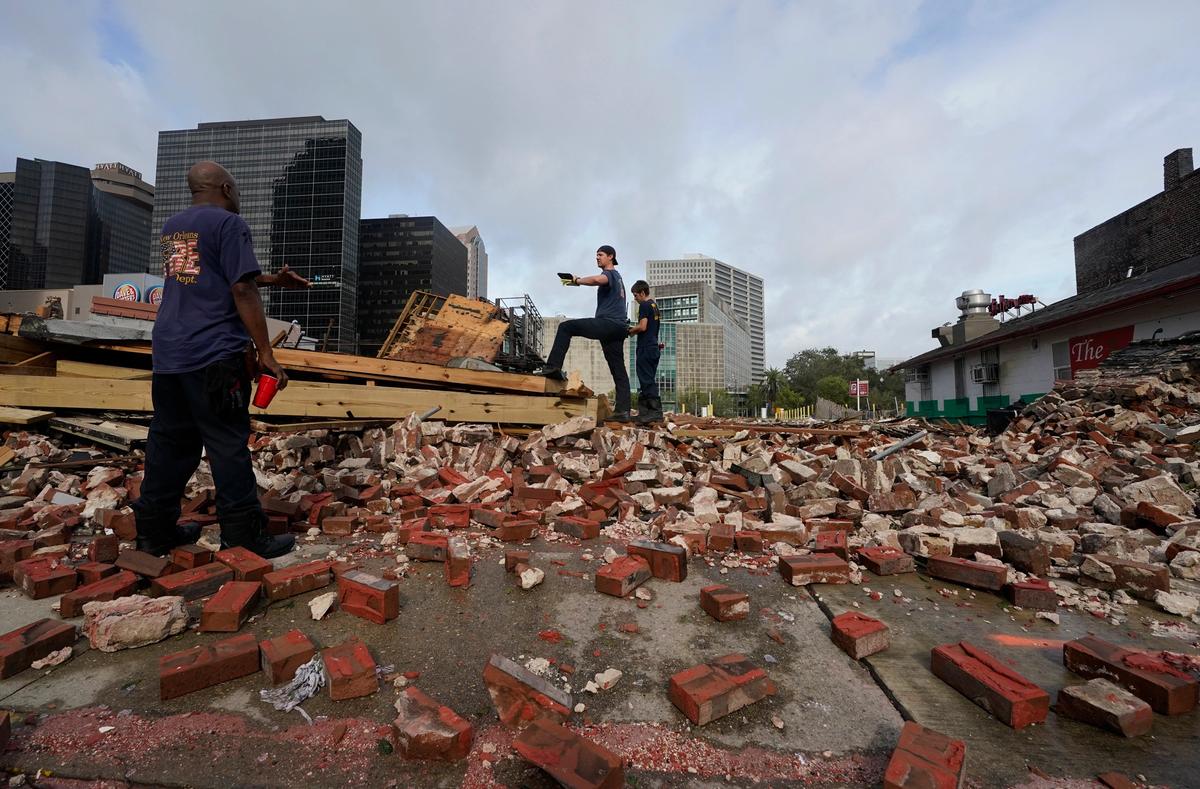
{"points": [[301, 186]]}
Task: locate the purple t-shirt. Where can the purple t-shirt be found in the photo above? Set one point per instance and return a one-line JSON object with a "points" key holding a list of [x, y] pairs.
{"points": [[205, 249]]}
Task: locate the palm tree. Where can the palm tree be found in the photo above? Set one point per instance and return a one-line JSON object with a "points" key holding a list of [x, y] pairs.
{"points": [[773, 383]]}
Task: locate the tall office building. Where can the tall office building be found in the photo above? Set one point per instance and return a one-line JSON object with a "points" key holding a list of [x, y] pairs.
{"points": [[743, 291], [301, 185], [62, 225], [477, 260], [397, 256]]}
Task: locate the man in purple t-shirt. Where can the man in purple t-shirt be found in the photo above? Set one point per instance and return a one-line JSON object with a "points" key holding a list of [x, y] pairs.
{"points": [[203, 358]]}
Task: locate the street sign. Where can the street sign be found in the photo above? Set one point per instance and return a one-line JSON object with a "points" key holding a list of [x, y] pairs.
{"points": [[859, 388]]}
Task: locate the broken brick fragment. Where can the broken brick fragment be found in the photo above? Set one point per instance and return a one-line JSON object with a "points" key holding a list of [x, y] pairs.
{"points": [[1005, 694], [427, 547], [667, 562], [108, 588], [833, 542], [1032, 593], [513, 557], [925, 759], [622, 576], [91, 572], [428, 730], [188, 556], [520, 696], [1166, 689], [859, 635], [968, 573], [819, 568], [351, 670], [368, 596], [458, 563], [21, 647], [579, 528], [749, 541], [192, 584], [104, 548], [711, 690], [1101, 703], [144, 564], [246, 564], [886, 560], [297, 579], [44, 577], [721, 537], [206, 665], [282, 655], [568, 758], [230, 607], [724, 604]]}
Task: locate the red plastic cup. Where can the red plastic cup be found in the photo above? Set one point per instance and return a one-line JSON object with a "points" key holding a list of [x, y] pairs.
{"points": [[264, 392]]}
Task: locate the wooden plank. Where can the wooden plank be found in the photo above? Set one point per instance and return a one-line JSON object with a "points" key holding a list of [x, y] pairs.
{"points": [[16, 349], [730, 430], [44, 359], [301, 400], [328, 424], [22, 416], [121, 435], [76, 369]]}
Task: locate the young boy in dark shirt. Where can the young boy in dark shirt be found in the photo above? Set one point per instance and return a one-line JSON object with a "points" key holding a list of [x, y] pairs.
{"points": [[646, 329]]}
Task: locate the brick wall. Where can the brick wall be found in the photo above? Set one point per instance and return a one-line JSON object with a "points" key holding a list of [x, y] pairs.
{"points": [[1162, 230]]}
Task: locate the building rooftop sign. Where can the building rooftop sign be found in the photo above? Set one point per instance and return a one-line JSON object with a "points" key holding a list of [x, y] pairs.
{"points": [[120, 168]]}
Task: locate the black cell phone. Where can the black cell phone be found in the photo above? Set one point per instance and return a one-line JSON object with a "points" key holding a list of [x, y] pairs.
{"points": [[567, 279]]}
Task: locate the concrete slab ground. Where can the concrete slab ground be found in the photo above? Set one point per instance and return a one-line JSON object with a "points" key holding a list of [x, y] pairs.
{"points": [[830, 724], [998, 756]]}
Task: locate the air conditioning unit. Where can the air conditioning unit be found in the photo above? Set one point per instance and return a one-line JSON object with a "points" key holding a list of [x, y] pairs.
{"points": [[985, 373], [919, 375]]}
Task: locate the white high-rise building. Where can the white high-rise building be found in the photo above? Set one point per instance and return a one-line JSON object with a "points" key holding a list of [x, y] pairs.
{"points": [[743, 291], [477, 261]]}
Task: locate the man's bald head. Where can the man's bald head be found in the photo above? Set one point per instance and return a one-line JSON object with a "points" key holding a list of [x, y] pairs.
{"points": [[210, 183]]}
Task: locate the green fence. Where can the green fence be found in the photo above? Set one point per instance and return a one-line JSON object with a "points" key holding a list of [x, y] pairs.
{"points": [[959, 409]]}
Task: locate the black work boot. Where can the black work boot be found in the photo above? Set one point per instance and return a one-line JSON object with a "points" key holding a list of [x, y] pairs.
{"points": [[249, 530], [155, 539], [618, 416], [651, 413]]}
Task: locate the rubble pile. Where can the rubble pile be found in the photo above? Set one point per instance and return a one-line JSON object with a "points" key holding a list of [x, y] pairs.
{"points": [[1088, 500]]}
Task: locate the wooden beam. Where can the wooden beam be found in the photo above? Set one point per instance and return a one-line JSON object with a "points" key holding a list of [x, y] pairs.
{"points": [[121, 435], [16, 349], [22, 416], [327, 424], [302, 400], [73, 369]]}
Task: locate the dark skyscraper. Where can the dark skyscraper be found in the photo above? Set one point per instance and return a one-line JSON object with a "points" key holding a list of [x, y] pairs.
{"points": [[62, 226], [301, 186], [399, 255]]}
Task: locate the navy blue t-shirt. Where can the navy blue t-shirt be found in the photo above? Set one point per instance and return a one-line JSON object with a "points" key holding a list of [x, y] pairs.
{"points": [[610, 298], [648, 340], [205, 250]]}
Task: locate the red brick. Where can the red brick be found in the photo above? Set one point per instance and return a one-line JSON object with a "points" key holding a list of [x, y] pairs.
{"points": [[13, 551], [192, 584], [1008, 696], [340, 526], [144, 564], [427, 547], [428, 730], [207, 665], [368, 596], [451, 478], [1167, 690], [351, 670], [667, 561], [51, 536], [821, 525], [925, 759], [230, 607], [711, 690], [885, 560], [579, 528], [245, 563], [968, 573], [20, 647], [819, 568], [44, 577], [104, 548], [901, 499], [520, 696], [849, 487], [282, 655], [1141, 579], [749, 541], [1149, 515], [189, 556], [622, 576], [859, 635], [1034, 594], [724, 604], [1025, 553], [518, 530], [109, 588], [91, 572], [513, 558], [1106, 705], [450, 516], [568, 758], [833, 542], [458, 563], [721, 537], [297, 579]]}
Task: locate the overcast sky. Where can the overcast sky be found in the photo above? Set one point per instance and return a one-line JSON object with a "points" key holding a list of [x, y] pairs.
{"points": [[869, 160]]}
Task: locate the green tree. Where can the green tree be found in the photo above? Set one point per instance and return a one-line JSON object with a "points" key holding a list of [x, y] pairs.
{"points": [[834, 388], [773, 382], [789, 398], [807, 368], [755, 398]]}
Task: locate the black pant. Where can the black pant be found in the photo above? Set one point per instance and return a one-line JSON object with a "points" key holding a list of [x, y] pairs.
{"points": [[611, 335], [192, 411], [647, 369]]}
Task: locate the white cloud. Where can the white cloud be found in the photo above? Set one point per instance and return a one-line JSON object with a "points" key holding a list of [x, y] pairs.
{"points": [[869, 160]]}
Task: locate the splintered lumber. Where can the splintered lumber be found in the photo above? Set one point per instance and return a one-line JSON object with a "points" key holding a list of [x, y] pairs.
{"points": [[121, 435], [436, 333], [309, 400], [22, 416]]}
